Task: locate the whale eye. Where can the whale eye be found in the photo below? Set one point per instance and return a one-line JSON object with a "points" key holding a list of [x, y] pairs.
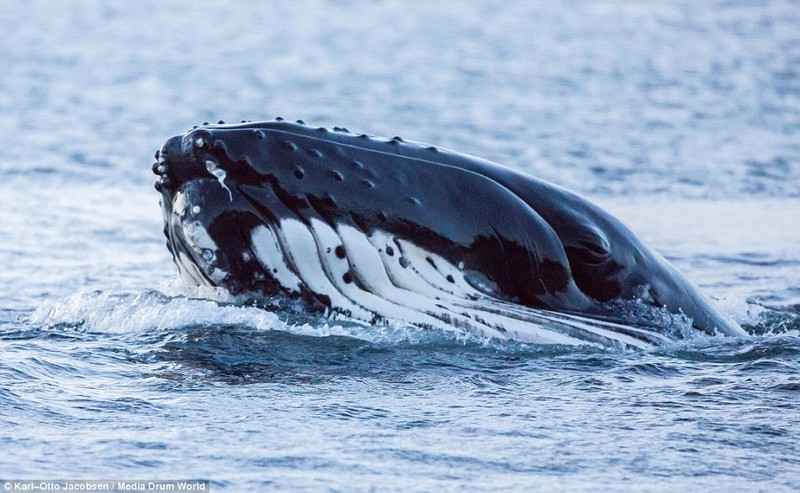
{"points": [[298, 173], [592, 251]]}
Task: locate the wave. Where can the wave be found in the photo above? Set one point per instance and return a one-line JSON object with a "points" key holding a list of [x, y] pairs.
{"points": [[174, 306], [186, 336]]}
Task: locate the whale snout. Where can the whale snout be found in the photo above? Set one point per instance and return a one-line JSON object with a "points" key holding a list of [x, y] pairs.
{"points": [[177, 162], [206, 220]]}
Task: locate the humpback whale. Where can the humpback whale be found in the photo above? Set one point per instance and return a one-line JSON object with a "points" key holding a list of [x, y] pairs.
{"points": [[377, 229]]}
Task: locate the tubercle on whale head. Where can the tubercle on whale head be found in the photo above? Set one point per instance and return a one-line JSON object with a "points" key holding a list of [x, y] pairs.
{"points": [[186, 157], [177, 162]]}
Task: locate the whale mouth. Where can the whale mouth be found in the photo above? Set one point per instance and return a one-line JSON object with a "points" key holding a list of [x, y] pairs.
{"points": [[188, 219]]}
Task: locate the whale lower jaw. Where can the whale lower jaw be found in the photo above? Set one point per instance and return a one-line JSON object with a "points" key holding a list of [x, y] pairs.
{"points": [[381, 278]]}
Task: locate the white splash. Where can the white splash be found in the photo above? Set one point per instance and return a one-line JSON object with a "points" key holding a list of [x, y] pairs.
{"points": [[120, 312], [215, 170]]}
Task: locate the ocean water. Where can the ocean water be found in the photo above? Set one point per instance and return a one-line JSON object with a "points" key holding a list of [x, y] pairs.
{"points": [[681, 118]]}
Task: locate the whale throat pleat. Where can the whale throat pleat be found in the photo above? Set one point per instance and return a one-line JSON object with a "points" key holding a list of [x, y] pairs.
{"points": [[269, 253], [352, 271], [382, 277], [302, 252]]}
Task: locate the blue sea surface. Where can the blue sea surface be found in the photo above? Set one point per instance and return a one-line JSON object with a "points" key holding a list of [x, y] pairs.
{"points": [[681, 118]]}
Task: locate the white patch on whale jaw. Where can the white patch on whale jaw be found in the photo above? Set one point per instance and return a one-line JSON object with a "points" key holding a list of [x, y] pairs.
{"points": [[382, 277], [267, 249]]}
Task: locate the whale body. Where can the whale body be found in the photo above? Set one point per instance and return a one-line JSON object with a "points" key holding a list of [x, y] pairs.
{"points": [[379, 229]]}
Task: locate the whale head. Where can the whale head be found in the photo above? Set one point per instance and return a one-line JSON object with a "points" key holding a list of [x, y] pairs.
{"points": [[208, 221]]}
